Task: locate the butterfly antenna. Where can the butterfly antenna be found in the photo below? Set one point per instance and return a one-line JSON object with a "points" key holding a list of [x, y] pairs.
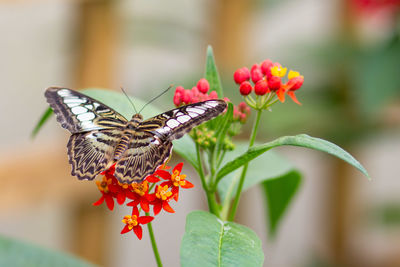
{"points": [[163, 92], [130, 101]]}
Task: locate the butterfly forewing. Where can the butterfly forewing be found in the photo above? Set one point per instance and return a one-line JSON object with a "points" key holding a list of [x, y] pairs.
{"points": [[101, 136], [80, 113], [175, 123]]}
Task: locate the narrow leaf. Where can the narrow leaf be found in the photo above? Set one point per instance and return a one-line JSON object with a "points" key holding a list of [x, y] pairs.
{"points": [[279, 193], [45, 116], [301, 140], [208, 241], [223, 128], [212, 75]]}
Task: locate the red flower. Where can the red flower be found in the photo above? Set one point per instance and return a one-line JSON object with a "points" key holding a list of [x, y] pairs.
{"points": [[175, 181], [139, 195], [133, 222], [160, 199]]}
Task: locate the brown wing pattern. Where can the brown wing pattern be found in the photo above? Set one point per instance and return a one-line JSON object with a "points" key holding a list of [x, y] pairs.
{"points": [[91, 153], [80, 113], [144, 155]]}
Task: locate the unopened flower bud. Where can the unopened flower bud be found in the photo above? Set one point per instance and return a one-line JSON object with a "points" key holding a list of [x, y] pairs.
{"points": [[213, 95], [203, 85], [256, 73], [245, 88], [274, 83], [266, 67], [241, 75], [261, 87]]}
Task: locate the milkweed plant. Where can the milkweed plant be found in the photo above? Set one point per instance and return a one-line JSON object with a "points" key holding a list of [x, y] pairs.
{"points": [[226, 168]]}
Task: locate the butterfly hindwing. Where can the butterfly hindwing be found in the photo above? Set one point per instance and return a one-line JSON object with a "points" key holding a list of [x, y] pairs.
{"points": [[91, 153], [145, 153], [177, 122], [80, 113]]}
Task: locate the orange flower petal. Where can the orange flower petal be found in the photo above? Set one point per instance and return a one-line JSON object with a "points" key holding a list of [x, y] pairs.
{"points": [[281, 94], [293, 97]]}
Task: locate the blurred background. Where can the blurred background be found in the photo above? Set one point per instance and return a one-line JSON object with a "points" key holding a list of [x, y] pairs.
{"points": [[348, 52]]}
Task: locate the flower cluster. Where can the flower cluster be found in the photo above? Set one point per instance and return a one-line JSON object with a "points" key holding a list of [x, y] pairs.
{"points": [[198, 93], [157, 190], [204, 135], [267, 83]]}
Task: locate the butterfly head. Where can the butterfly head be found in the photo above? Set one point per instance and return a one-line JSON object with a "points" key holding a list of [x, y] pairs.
{"points": [[135, 121]]}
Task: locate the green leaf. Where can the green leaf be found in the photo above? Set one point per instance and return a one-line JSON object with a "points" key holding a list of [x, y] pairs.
{"points": [[212, 75], [279, 193], [18, 254], [269, 165], [208, 241], [224, 125], [46, 115], [186, 148], [301, 140]]}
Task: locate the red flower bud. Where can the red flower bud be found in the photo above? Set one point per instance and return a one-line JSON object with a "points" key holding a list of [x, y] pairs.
{"points": [[241, 75], [203, 85], [274, 83], [256, 73], [261, 87], [295, 83], [177, 99], [227, 99], [245, 88], [187, 97], [180, 89], [213, 95], [266, 67]]}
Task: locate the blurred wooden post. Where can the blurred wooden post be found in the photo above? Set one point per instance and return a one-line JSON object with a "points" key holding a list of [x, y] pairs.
{"points": [[94, 65], [96, 43], [341, 180], [229, 29]]}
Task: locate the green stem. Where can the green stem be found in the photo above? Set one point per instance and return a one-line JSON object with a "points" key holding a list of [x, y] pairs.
{"points": [[211, 201], [245, 167], [153, 243]]}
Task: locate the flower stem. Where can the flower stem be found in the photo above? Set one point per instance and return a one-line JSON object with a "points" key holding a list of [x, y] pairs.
{"points": [[153, 243], [211, 201], [245, 167]]}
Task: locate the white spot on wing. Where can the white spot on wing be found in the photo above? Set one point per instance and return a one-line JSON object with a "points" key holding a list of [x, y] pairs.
{"points": [[196, 110], [78, 110], [172, 123], [191, 114], [71, 105], [85, 116], [74, 100], [212, 103], [63, 92], [89, 106], [183, 119]]}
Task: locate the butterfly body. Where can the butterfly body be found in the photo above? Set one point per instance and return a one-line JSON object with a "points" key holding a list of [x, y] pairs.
{"points": [[102, 137]]}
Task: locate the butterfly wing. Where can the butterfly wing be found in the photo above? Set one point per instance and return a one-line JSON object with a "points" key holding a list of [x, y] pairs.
{"points": [[145, 153], [92, 152], [151, 145], [80, 113], [177, 122]]}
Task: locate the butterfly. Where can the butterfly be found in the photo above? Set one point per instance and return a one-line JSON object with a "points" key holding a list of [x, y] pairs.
{"points": [[101, 137]]}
